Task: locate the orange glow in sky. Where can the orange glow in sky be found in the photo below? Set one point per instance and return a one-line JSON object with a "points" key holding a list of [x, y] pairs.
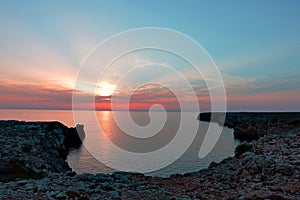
{"points": [[41, 53]]}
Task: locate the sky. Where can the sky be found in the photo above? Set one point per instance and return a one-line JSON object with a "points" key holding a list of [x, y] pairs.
{"points": [[255, 45]]}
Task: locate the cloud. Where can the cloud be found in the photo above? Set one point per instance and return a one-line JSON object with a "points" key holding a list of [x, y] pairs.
{"points": [[16, 94]]}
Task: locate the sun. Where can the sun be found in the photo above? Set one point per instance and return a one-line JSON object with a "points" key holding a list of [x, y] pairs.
{"points": [[105, 89]]}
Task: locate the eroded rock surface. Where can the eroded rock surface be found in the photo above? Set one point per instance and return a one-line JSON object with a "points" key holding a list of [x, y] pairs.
{"points": [[268, 168], [34, 149], [251, 125]]}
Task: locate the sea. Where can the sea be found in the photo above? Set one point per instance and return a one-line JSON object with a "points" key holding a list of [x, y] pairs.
{"points": [[108, 133]]}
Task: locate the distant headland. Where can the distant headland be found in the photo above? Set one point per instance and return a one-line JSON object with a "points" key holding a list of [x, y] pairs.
{"points": [[253, 125]]}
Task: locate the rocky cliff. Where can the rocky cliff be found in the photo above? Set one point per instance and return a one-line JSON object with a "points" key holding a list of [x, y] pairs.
{"points": [[267, 168], [252, 125], [35, 149]]}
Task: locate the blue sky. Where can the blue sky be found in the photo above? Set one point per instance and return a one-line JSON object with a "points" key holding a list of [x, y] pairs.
{"points": [[255, 44]]}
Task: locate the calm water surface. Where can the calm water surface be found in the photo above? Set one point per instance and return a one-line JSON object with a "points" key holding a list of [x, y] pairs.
{"points": [[82, 161]]}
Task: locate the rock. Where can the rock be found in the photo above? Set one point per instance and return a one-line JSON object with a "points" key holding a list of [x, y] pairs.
{"points": [[60, 195], [120, 176], [108, 187], [248, 134], [70, 173], [73, 194], [103, 178], [242, 148], [34, 149], [183, 197], [285, 168], [250, 126], [213, 164], [262, 196], [114, 195], [74, 136]]}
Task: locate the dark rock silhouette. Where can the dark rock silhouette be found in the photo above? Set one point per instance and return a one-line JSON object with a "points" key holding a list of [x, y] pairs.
{"points": [[250, 126], [35, 149], [267, 168], [74, 136], [242, 148]]}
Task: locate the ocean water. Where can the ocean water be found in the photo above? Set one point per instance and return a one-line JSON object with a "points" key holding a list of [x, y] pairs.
{"points": [[103, 134]]}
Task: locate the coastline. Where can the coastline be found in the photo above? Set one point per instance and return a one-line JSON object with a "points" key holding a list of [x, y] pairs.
{"points": [[35, 149], [263, 167], [250, 126]]}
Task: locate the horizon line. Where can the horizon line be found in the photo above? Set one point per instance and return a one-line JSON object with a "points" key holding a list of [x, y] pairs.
{"points": [[145, 110]]}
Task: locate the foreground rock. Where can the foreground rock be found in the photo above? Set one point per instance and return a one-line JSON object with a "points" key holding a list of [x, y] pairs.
{"points": [[268, 168], [251, 125], [35, 149]]}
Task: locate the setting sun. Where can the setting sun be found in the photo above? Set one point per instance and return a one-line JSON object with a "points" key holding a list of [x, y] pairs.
{"points": [[105, 89]]}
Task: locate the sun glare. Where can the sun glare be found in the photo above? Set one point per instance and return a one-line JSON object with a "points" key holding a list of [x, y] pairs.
{"points": [[105, 89]]}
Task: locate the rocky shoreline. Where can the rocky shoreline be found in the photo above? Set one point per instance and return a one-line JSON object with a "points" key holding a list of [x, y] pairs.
{"points": [[249, 126], [35, 149], [266, 168]]}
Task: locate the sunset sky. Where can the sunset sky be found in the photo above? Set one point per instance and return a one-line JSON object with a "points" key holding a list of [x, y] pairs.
{"points": [[255, 44]]}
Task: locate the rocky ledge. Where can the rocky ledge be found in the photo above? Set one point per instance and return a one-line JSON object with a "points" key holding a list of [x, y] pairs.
{"points": [[268, 168], [249, 126], [35, 149]]}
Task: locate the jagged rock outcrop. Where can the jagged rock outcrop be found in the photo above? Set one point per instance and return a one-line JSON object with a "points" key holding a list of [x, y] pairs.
{"points": [[74, 136], [35, 149], [267, 168], [250, 126]]}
